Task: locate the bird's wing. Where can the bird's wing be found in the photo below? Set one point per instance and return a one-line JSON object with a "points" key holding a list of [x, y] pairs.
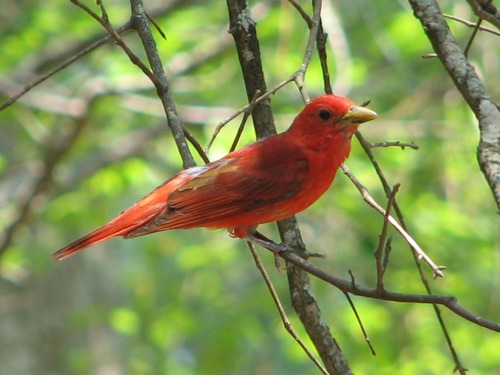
{"points": [[232, 190]]}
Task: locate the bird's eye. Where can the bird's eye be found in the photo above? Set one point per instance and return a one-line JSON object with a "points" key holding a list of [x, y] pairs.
{"points": [[324, 114]]}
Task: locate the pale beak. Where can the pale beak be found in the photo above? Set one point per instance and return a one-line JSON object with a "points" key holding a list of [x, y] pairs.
{"points": [[358, 115]]}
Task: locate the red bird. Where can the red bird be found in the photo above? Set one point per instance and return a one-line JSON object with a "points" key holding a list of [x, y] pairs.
{"points": [[266, 181]]}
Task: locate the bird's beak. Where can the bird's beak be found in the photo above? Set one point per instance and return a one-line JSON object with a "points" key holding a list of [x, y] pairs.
{"points": [[358, 115]]}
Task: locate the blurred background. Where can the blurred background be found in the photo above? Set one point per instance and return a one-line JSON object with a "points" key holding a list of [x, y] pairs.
{"points": [[91, 140]]}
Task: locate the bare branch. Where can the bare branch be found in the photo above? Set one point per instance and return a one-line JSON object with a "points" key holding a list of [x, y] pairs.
{"points": [[383, 180], [323, 59], [382, 263], [472, 24], [140, 22], [61, 66], [437, 270], [242, 27], [246, 115], [284, 318], [303, 13], [353, 288], [246, 108], [403, 145], [71, 56], [360, 323], [157, 75], [470, 86], [311, 43], [485, 10], [133, 58]]}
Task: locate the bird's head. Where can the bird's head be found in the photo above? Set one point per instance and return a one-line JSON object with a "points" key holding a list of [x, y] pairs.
{"points": [[329, 115]]}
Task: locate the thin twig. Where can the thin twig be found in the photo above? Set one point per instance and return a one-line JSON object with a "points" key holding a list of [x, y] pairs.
{"points": [[472, 24], [381, 263], [245, 109], [387, 252], [157, 27], [323, 58], [119, 41], [353, 288], [472, 36], [61, 66], [196, 145], [141, 25], [437, 270], [303, 13], [360, 323], [403, 145], [416, 257], [246, 115], [284, 318], [489, 13], [104, 13], [311, 43]]}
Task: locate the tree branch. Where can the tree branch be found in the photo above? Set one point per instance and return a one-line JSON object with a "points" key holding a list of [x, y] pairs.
{"points": [[470, 86], [242, 27], [486, 10], [70, 60], [141, 24], [353, 288], [472, 24]]}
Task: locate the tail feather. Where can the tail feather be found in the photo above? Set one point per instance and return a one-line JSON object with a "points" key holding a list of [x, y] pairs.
{"points": [[139, 214], [127, 221], [100, 234]]}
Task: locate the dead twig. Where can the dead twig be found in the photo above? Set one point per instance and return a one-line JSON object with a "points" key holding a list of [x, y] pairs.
{"points": [[279, 306]]}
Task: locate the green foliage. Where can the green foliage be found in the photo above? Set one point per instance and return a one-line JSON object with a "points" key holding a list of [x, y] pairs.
{"points": [[190, 302]]}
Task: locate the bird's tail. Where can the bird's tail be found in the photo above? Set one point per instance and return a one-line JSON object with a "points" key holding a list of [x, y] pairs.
{"points": [[112, 229], [141, 212], [136, 216]]}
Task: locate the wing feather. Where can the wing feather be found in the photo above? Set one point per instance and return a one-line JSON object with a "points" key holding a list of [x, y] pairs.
{"points": [[234, 191]]}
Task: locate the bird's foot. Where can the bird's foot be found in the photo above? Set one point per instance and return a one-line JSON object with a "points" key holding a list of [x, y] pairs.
{"points": [[276, 248]]}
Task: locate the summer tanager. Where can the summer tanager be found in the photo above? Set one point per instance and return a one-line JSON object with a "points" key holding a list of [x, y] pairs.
{"points": [[266, 181]]}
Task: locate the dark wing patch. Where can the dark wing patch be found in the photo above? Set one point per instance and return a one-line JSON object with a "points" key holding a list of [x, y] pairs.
{"points": [[235, 192], [230, 188]]}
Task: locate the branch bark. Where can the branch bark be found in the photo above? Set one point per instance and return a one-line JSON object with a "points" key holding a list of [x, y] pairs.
{"points": [[141, 24], [486, 10], [242, 27], [352, 287], [470, 86]]}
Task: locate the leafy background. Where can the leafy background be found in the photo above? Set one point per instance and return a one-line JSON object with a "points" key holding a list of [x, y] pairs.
{"points": [[187, 302]]}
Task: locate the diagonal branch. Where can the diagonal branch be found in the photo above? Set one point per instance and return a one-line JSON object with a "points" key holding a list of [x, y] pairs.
{"points": [[437, 270], [472, 24], [70, 56], [486, 10], [141, 24], [470, 86], [284, 318], [156, 75], [353, 288]]}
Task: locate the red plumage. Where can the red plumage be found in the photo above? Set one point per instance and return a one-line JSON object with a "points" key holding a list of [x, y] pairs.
{"points": [[263, 182]]}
